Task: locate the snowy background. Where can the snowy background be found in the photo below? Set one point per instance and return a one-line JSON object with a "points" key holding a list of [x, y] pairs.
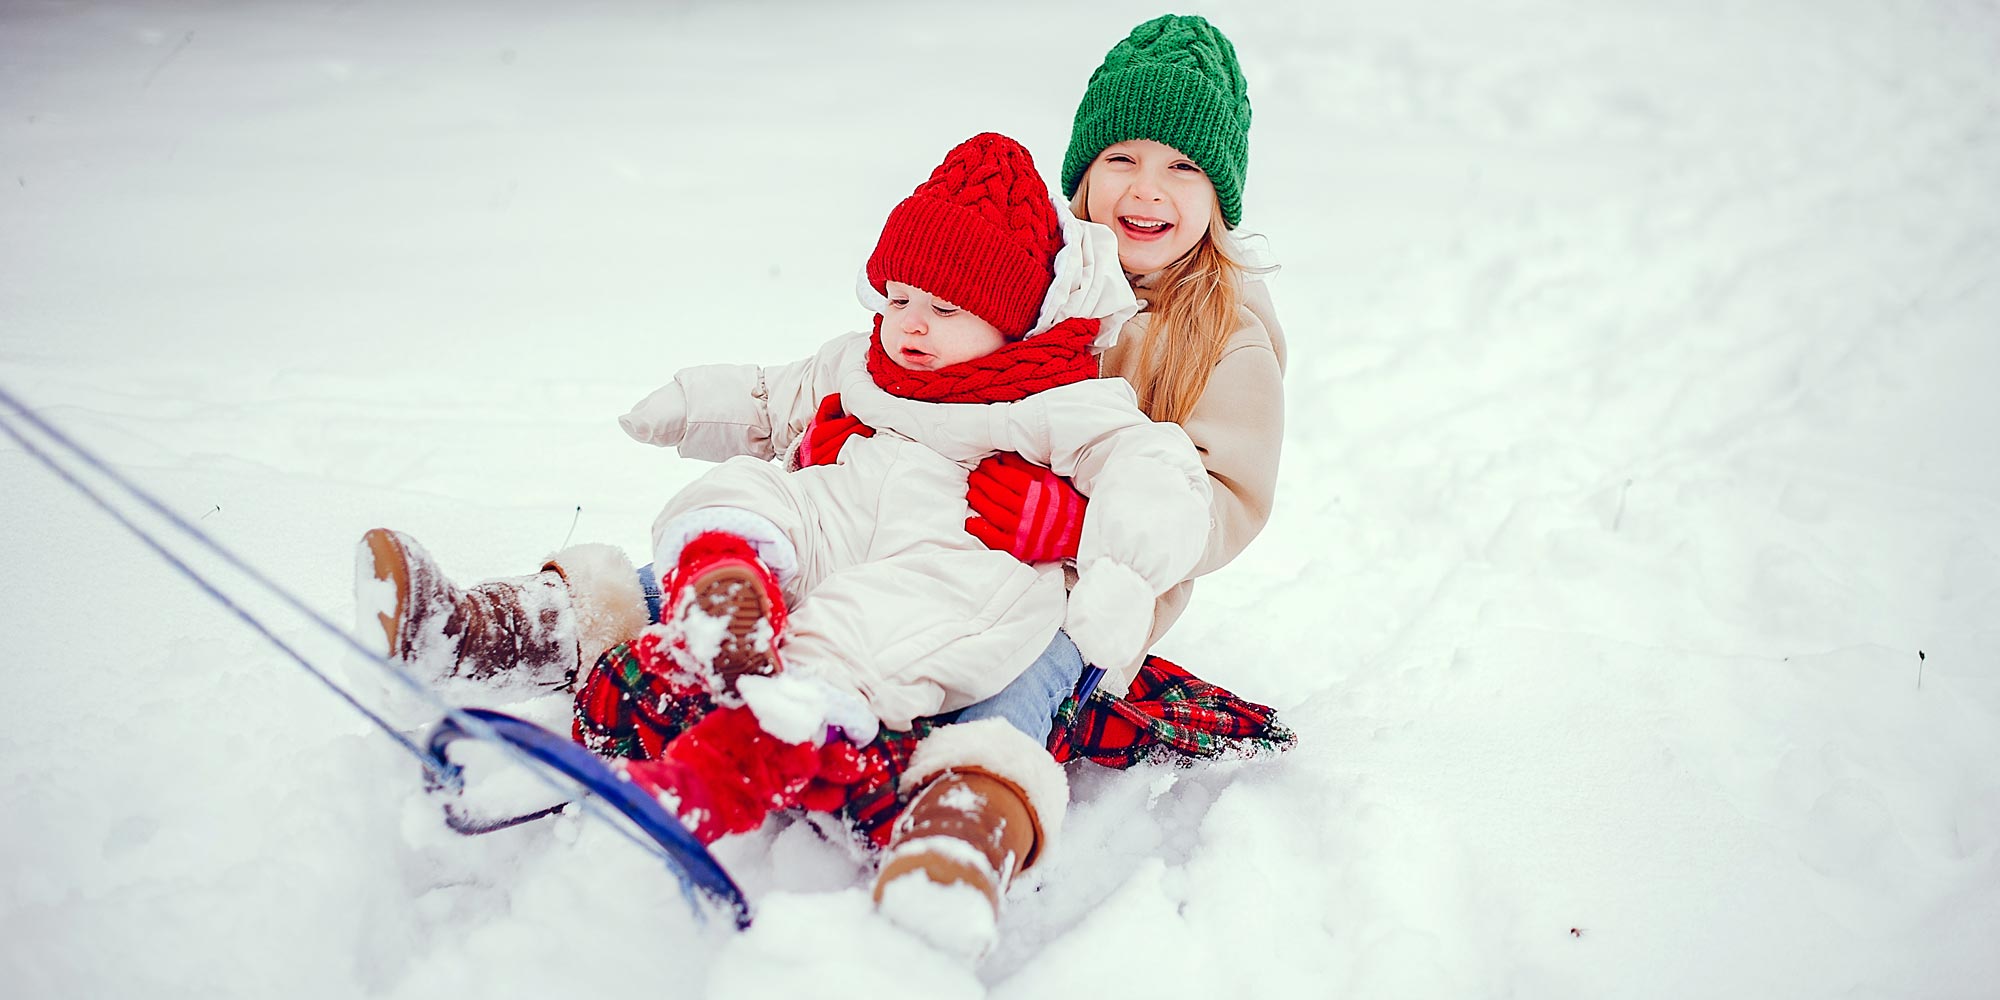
{"points": [[1640, 437]]}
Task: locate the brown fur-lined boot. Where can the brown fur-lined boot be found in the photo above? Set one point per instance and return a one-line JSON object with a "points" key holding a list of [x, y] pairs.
{"points": [[538, 629], [989, 801]]}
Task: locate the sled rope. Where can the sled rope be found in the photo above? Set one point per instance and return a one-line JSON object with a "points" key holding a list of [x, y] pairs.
{"points": [[442, 772], [430, 766]]}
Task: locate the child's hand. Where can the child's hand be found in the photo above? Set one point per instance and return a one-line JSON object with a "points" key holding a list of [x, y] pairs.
{"points": [[1024, 510], [660, 419], [1110, 615], [828, 432]]}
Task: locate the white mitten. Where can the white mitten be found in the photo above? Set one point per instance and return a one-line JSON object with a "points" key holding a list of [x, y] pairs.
{"points": [[799, 707], [1110, 615], [660, 419]]}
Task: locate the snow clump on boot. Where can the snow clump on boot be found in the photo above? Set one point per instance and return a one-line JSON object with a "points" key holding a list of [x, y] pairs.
{"points": [[957, 918]]}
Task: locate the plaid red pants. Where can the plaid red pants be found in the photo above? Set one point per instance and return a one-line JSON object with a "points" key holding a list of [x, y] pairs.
{"points": [[634, 700]]}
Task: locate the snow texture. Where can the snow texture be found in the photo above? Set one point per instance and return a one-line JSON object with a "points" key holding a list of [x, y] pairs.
{"points": [[1640, 436], [798, 707], [374, 601]]}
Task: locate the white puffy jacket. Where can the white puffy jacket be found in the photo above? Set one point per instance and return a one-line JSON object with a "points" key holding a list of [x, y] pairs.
{"points": [[892, 596]]}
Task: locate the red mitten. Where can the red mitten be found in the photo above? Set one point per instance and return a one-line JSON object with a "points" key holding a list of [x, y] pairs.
{"points": [[725, 774], [845, 773], [1024, 510], [829, 430]]}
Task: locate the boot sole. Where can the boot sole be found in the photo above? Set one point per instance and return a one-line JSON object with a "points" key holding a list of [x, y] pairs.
{"points": [[391, 564], [734, 592]]}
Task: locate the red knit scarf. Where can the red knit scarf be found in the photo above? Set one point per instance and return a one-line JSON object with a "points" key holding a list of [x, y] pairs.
{"points": [[1022, 368]]}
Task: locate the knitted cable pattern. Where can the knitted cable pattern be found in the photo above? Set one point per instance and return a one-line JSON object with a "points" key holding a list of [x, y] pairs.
{"points": [[992, 176], [1191, 44], [980, 233], [1174, 80]]}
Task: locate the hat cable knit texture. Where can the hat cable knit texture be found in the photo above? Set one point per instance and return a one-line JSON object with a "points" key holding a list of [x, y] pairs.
{"points": [[1174, 80], [980, 233]]}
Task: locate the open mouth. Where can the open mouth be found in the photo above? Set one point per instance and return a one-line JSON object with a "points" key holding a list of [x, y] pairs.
{"points": [[1141, 228]]}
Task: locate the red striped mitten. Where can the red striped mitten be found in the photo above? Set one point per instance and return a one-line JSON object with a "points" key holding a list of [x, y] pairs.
{"points": [[1024, 510], [828, 432]]}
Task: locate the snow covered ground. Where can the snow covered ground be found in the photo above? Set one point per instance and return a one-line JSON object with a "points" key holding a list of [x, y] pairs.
{"points": [[1640, 439]]}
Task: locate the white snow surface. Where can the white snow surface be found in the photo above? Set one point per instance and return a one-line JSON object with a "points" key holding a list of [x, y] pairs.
{"points": [[1640, 435]]}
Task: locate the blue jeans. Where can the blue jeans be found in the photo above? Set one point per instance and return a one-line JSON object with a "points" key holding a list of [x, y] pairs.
{"points": [[1028, 703], [649, 585]]}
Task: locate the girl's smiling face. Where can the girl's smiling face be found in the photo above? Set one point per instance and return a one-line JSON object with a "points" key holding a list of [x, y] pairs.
{"points": [[1157, 201], [924, 333]]}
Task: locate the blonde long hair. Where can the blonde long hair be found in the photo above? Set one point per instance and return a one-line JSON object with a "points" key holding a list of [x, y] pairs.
{"points": [[1193, 307]]}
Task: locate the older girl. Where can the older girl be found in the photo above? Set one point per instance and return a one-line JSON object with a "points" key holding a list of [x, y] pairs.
{"points": [[1158, 152]]}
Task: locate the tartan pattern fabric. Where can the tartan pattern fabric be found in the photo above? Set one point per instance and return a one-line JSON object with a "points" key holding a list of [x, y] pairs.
{"points": [[1168, 713], [631, 704], [635, 701], [870, 807]]}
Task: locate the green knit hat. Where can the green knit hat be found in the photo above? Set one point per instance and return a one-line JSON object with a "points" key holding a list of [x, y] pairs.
{"points": [[1173, 80]]}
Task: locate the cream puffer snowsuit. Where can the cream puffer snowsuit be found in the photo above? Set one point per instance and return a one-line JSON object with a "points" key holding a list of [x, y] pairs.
{"points": [[892, 594], [892, 597]]}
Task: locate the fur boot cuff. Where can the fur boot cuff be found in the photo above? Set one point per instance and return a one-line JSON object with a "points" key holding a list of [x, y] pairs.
{"points": [[998, 749], [604, 592]]}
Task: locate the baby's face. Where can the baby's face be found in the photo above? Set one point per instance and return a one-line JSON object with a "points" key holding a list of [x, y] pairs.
{"points": [[924, 333]]}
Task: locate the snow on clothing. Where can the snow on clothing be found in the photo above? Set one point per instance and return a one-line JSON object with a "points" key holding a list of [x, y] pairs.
{"points": [[634, 702], [892, 596]]}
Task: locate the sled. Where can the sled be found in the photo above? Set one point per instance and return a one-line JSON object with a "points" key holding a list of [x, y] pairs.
{"points": [[689, 858], [137, 509]]}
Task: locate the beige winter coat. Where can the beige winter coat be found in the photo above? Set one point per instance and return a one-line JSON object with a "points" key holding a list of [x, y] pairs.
{"points": [[1237, 427]]}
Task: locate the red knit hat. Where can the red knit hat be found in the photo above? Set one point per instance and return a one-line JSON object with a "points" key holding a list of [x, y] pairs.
{"points": [[981, 234]]}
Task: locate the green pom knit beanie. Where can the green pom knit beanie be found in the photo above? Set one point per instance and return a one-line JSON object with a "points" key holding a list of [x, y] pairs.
{"points": [[1173, 80]]}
